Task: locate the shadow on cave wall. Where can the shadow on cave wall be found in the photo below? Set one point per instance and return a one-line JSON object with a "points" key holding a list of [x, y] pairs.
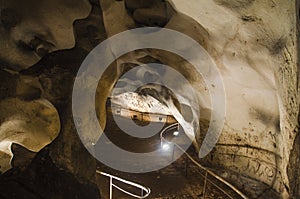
{"points": [[63, 169]]}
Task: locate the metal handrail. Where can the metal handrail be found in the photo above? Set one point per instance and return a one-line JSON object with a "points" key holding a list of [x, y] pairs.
{"points": [[207, 171], [145, 190]]}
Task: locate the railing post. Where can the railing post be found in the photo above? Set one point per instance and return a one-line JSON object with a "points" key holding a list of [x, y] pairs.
{"points": [[205, 184], [110, 187], [144, 190]]}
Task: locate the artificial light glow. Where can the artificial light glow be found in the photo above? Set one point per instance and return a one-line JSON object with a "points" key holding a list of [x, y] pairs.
{"points": [[166, 147], [176, 133]]}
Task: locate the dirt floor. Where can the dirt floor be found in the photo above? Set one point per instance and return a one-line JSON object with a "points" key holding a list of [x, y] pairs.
{"points": [[179, 180], [171, 182]]}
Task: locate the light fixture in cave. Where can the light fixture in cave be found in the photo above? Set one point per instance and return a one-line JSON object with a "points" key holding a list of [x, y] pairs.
{"points": [[176, 133], [166, 146]]}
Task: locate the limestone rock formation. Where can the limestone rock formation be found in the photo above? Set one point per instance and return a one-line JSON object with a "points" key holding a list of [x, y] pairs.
{"points": [[254, 45], [36, 107]]}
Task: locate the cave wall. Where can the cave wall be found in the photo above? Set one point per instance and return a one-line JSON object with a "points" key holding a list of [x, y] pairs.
{"points": [[26, 119], [36, 114], [255, 45]]}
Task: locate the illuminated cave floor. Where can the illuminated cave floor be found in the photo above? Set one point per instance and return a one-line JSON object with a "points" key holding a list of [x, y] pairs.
{"points": [[170, 182]]}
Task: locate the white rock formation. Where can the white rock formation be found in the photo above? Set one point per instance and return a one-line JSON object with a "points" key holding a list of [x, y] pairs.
{"points": [[134, 101]]}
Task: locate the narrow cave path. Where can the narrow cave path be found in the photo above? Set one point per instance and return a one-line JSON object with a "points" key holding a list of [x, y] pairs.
{"points": [[179, 180]]}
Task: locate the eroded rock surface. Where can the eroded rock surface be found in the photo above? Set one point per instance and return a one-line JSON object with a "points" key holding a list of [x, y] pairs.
{"points": [[38, 99], [258, 59], [253, 43]]}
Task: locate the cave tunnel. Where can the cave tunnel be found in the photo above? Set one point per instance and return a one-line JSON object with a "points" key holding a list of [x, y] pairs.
{"points": [[152, 99]]}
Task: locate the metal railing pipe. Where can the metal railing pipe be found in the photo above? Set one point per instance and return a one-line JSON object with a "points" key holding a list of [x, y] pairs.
{"points": [[242, 195], [111, 185]]}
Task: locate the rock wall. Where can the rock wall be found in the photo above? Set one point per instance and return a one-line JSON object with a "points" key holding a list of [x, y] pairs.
{"points": [[39, 99], [255, 45]]}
